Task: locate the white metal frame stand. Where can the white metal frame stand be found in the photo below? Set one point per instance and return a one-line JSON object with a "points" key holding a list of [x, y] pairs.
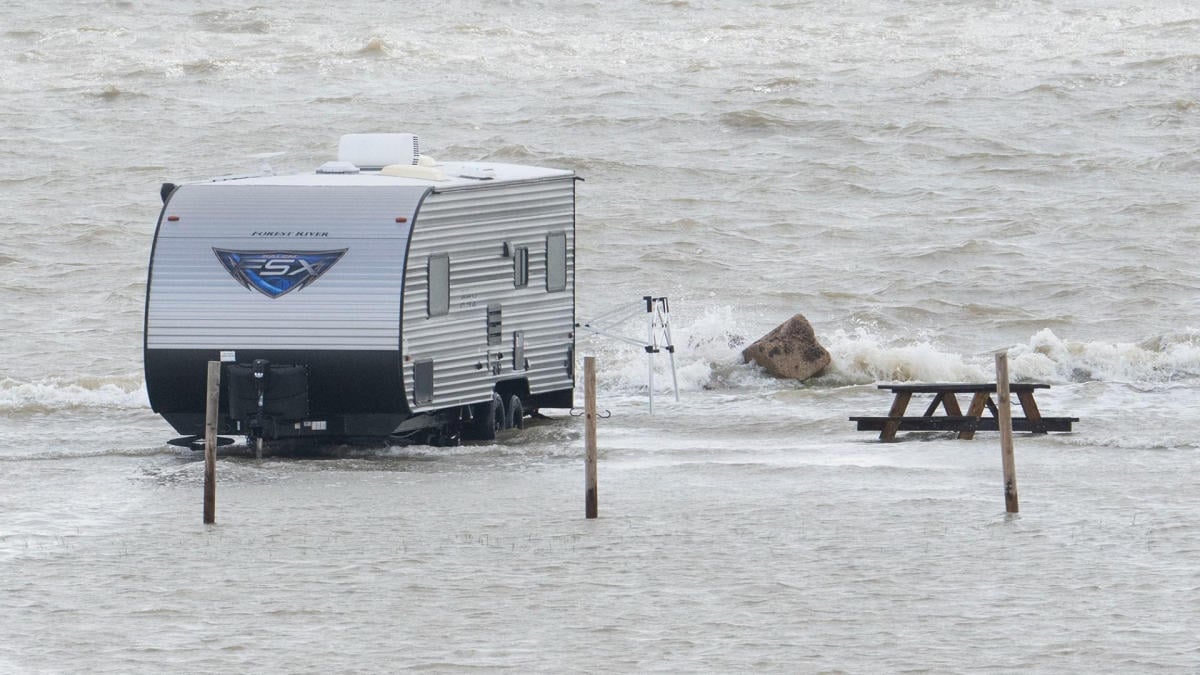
{"points": [[658, 336]]}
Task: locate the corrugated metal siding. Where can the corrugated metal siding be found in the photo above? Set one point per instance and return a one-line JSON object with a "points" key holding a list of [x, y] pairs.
{"points": [[471, 226], [195, 303]]}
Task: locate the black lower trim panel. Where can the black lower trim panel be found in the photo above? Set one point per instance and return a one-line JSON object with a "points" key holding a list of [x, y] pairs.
{"points": [[355, 393], [563, 398]]}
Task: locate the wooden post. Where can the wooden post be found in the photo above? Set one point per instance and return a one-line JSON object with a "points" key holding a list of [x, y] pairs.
{"points": [[589, 408], [211, 408], [1004, 419]]}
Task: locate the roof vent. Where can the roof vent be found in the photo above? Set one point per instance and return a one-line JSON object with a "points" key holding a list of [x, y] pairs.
{"points": [[337, 167], [375, 151]]}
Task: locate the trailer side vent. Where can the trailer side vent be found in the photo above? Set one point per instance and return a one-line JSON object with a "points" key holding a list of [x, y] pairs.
{"points": [[521, 267], [423, 381], [493, 324], [519, 362]]}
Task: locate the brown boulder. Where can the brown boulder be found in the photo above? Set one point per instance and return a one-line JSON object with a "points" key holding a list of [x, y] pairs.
{"points": [[789, 351]]}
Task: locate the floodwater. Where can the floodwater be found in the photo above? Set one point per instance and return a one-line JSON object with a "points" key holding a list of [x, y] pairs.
{"points": [[927, 182]]}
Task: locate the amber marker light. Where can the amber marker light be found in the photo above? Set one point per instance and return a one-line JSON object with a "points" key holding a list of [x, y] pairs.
{"points": [[173, 219], [401, 219]]}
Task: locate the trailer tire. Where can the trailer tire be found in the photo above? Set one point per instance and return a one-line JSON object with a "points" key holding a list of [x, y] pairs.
{"points": [[487, 418], [516, 413]]}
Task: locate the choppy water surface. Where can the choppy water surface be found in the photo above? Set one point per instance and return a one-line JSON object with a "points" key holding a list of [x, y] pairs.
{"points": [[926, 182]]}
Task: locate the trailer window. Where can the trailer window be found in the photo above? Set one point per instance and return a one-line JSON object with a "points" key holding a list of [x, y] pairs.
{"points": [[556, 261], [439, 284], [521, 267]]}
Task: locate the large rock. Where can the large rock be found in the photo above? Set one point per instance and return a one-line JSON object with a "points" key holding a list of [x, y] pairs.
{"points": [[789, 351]]}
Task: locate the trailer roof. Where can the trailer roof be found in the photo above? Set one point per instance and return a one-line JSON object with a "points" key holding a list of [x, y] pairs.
{"points": [[438, 176]]}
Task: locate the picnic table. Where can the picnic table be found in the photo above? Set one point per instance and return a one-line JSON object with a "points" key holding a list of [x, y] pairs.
{"points": [[945, 397]]}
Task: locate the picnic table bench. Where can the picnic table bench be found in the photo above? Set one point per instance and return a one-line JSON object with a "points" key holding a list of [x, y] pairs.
{"points": [[945, 397]]}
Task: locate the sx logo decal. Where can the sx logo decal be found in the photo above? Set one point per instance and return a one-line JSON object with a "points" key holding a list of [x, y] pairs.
{"points": [[276, 273]]}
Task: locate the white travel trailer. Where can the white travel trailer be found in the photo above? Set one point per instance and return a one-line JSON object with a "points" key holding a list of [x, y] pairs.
{"points": [[384, 296]]}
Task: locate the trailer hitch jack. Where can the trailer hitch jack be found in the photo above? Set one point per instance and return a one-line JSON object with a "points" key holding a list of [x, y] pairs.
{"points": [[261, 369]]}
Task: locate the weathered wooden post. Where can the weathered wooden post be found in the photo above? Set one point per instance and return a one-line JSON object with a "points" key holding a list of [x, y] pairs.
{"points": [[589, 409], [211, 408], [1004, 410]]}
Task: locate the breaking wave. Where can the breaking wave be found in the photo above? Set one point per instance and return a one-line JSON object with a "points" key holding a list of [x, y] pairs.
{"points": [[376, 46], [59, 393], [860, 358], [1164, 358], [708, 356]]}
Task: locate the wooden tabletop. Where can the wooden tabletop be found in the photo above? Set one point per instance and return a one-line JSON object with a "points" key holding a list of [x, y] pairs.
{"points": [[960, 387]]}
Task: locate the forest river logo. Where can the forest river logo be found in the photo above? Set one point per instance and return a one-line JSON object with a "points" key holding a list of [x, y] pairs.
{"points": [[276, 273]]}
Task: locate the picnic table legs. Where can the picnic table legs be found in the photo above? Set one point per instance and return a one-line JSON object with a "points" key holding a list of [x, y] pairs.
{"points": [[947, 400], [978, 402], [892, 425], [1031, 411], [982, 403]]}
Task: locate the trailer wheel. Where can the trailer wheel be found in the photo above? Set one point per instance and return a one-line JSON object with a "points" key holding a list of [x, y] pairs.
{"points": [[488, 418], [516, 413]]}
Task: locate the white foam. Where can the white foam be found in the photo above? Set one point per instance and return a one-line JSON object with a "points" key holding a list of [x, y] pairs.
{"points": [[1160, 359], [68, 393], [860, 357], [708, 356]]}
